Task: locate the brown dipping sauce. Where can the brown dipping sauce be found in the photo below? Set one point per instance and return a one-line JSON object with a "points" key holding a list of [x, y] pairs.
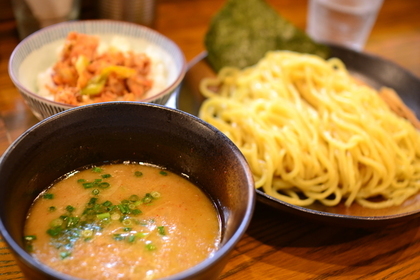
{"points": [[122, 221]]}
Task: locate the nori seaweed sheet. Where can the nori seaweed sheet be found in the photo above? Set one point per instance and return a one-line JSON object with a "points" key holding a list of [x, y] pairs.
{"points": [[243, 31]]}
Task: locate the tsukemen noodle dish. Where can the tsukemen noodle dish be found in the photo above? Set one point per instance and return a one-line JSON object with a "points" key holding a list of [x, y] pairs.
{"points": [[312, 133]]}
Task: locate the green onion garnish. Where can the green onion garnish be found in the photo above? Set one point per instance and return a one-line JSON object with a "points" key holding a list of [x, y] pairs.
{"points": [[161, 230], [127, 222], [164, 173], [48, 196], [87, 233], [155, 194], [136, 212], [118, 237], [30, 237], [64, 255], [54, 231], [141, 234], [106, 176], [88, 185], [72, 221], [70, 208], [131, 238], [103, 185], [138, 174], [56, 223], [92, 201], [150, 247], [102, 216], [107, 203], [97, 169]]}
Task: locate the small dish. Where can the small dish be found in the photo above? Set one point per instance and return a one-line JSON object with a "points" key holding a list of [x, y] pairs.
{"points": [[371, 69], [38, 51]]}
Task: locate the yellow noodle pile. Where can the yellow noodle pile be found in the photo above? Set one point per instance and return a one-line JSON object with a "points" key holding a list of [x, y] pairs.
{"points": [[311, 133]]}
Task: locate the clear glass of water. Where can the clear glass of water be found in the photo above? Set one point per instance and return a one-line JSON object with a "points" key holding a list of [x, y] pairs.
{"points": [[32, 15], [342, 22]]}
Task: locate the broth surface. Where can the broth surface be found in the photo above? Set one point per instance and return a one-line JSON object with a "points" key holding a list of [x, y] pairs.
{"points": [[122, 221]]}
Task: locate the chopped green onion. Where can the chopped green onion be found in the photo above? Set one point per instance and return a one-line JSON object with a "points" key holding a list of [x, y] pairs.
{"points": [[141, 234], [131, 238], [29, 247], [118, 237], [161, 230], [102, 216], [30, 237], [164, 173], [97, 169], [155, 194], [88, 185], [127, 229], [107, 203], [150, 247], [52, 208], [147, 198], [54, 231], [106, 176], [64, 217], [81, 181], [123, 208], [92, 201], [115, 217], [87, 233], [134, 197], [56, 223], [48, 196], [136, 212], [104, 185], [127, 222], [72, 221], [138, 174], [70, 208], [64, 255]]}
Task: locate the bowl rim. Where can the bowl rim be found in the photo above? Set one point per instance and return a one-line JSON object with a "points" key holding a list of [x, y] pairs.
{"points": [[222, 252], [168, 89]]}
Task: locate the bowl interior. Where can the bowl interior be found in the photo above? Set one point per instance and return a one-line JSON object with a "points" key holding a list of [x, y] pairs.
{"points": [[40, 50], [125, 131]]}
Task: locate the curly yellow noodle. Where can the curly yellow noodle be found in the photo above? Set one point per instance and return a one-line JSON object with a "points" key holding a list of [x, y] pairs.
{"points": [[311, 133]]}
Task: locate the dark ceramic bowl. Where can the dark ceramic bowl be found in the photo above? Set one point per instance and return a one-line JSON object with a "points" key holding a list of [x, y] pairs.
{"points": [[125, 131]]}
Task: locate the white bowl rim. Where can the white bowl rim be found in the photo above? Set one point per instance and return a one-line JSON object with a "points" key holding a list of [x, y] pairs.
{"points": [[170, 88]]}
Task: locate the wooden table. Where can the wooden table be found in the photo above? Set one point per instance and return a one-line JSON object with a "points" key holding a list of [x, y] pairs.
{"points": [[276, 245]]}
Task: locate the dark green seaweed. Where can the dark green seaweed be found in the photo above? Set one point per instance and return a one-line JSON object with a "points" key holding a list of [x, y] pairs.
{"points": [[244, 30]]}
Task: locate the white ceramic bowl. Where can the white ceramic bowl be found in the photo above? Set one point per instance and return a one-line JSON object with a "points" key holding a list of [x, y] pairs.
{"points": [[39, 51]]}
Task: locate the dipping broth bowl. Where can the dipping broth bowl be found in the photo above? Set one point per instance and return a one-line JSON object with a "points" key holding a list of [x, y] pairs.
{"points": [[39, 51], [132, 131]]}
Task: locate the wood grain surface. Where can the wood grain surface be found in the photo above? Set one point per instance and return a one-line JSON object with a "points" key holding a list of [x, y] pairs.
{"points": [[276, 245]]}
